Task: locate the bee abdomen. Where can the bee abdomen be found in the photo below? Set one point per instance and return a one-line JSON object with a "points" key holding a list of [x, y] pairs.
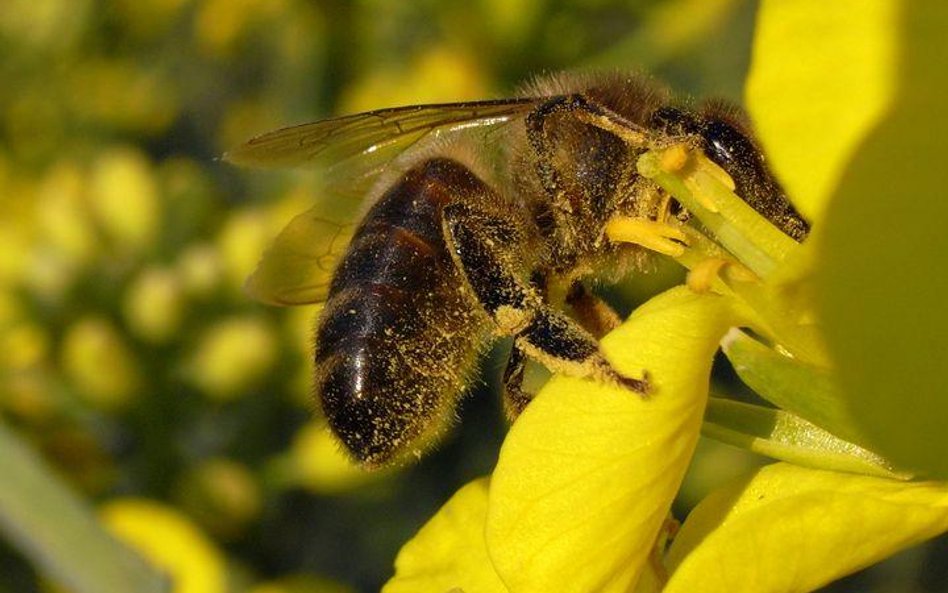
{"points": [[399, 335]]}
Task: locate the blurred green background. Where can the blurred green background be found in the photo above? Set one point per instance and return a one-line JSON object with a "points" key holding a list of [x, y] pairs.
{"points": [[130, 357]]}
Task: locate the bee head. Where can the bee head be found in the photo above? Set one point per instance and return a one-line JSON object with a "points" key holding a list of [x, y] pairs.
{"points": [[725, 136]]}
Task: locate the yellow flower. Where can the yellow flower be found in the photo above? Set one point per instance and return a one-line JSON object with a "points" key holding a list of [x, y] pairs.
{"points": [[449, 552], [300, 584], [170, 542], [579, 498], [124, 198], [154, 304], [232, 356], [316, 462], [222, 494], [100, 364]]}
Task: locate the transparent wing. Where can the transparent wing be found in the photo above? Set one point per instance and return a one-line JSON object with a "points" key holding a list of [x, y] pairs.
{"points": [[351, 151], [333, 141], [297, 268]]}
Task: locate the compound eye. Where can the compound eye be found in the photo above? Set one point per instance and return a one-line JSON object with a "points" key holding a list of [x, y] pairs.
{"points": [[724, 144]]}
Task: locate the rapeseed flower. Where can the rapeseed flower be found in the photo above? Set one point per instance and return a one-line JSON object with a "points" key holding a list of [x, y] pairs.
{"points": [[579, 500]]}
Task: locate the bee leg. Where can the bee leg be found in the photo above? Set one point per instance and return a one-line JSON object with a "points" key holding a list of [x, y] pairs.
{"points": [[557, 342], [542, 333], [594, 314], [515, 398]]}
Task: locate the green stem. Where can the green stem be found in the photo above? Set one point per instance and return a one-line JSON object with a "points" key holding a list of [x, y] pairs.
{"points": [[758, 244], [59, 533], [785, 436]]}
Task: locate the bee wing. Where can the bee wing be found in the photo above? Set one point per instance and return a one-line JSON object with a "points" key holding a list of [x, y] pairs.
{"points": [[353, 150], [333, 141], [297, 267]]}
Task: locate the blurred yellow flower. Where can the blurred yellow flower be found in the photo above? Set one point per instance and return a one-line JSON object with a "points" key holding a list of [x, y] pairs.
{"points": [[43, 24], [222, 494], [154, 304], [24, 382], [442, 73], [15, 241], [124, 93], [169, 541], [220, 24], [318, 464], [99, 363], [510, 20], [241, 241], [247, 232], [124, 197], [303, 583], [200, 269], [232, 355], [29, 396], [22, 345], [62, 214]]}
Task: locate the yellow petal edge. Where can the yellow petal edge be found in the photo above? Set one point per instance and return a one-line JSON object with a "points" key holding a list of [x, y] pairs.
{"points": [[449, 552], [587, 474], [822, 76], [788, 528]]}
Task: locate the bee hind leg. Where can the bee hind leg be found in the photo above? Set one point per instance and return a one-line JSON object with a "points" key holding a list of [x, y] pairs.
{"points": [[515, 397], [594, 314], [539, 331], [561, 345]]}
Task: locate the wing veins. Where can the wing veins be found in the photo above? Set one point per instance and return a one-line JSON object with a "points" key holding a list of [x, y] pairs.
{"points": [[351, 135]]}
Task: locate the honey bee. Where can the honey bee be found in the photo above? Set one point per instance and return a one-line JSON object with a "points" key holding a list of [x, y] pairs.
{"points": [[454, 249]]}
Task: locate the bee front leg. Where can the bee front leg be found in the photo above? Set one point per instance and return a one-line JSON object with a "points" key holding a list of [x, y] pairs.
{"points": [[540, 332]]}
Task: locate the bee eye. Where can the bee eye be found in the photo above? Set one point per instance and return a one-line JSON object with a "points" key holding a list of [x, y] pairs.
{"points": [[724, 144]]}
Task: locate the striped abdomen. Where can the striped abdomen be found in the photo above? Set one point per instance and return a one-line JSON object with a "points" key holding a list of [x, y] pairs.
{"points": [[399, 333]]}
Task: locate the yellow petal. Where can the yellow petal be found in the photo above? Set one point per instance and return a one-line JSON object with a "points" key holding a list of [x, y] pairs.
{"points": [[170, 542], [823, 74], [588, 472], [882, 262], [449, 552], [788, 528]]}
